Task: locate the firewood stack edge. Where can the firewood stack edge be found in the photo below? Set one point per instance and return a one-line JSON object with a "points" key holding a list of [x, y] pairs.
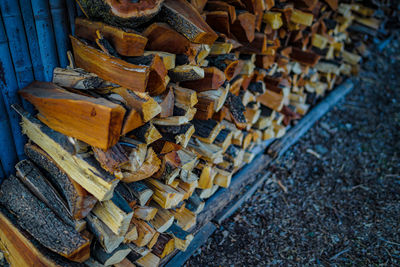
{"points": [[163, 101]]}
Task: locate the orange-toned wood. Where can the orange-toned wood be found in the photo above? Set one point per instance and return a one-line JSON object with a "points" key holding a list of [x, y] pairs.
{"points": [[213, 79], [244, 27]]}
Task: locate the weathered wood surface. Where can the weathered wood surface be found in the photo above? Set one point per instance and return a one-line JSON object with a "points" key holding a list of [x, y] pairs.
{"points": [[37, 219]]}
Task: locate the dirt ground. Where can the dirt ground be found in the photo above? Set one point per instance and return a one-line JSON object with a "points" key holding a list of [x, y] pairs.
{"points": [[339, 199]]}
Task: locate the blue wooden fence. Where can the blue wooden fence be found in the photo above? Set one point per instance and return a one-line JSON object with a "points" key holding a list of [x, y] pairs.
{"points": [[33, 41]]}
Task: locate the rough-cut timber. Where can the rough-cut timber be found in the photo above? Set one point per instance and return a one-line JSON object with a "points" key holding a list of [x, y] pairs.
{"points": [[95, 121], [126, 42], [79, 201], [121, 13], [85, 171], [185, 19], [134, 77], [37, 219]]}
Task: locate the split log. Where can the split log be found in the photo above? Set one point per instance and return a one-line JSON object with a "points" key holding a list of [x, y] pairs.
{"points": [[149, 167], [224, 139], [149, 260], [167, 58], [195, 204], [112, 159], [146, 133], [97, 122], [35, 181], [243, 27], [219, 21], [185, 218], [166, 102], [107, 239], [304, 57], [145, 233], [228, 63], [37, 219], [179, 134], [164, 147], [186, 73], [145, 213], [115, 213], [79, 201], [236, 109], [222, 6], [122, 14], [140, 191], [213, 79], [163, 218], [258, 45], [108, 259], [85, 171], [131, 234], [125, 41], [208, 152], [206, 131], [205, 108], [77, 79], [206, 175], [185, 96], [166, 196], [271, 99], [185, 19], [169, 167], [164, 246], [136, 152], [182, 238]]}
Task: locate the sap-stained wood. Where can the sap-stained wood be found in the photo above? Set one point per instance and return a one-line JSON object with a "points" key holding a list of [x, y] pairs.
{"points": [[93, 120], [79, 201], [85, 171], [125, 41], [134, 77], [185, 19], [37, 219], [121, 13]]}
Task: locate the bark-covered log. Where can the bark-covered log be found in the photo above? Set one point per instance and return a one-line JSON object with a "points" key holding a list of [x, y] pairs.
{"points": [[228, 63], [37, 219], [107, 259], [146, 133], [79, 201], [179, 134], [127, 14], [236, 108]]}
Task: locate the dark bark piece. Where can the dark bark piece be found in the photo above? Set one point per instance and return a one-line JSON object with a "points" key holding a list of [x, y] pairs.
{"points": [[146, 133], [80, 202], [256, 87], [164, 246], [118, 71], [228, 63], [185, 19], [95, 121], [305, 57], [125, 41], [105, 45], [107, 239], [179, 134], [213, 79], [114, 257], [36, 218], [35, 181], [127, 14], [195, 204], [141, 191], [206, 130], [257, 46], [244, 26], [236, 108], [85, 171], [22, 249], [169, 168], [112, 159], [164, 146]]}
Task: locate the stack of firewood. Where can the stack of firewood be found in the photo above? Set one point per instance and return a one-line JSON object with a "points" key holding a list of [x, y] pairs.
{"points": [[163, 101]]}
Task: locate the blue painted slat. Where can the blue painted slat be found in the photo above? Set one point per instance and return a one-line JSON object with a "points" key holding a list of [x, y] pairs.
{"points": [[45, 33], [58, 14], [71, 9], [8, 155], [30, 29], [9, 88], [2, 175]]}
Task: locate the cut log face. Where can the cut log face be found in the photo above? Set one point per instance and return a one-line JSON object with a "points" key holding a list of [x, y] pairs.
{"points": [[186, 73], [37, 219], [134, 77], [112, 258], [97, 122], [244, 26], [80, 202], [127, 14], [85, 171], [149, 167], [213, 79], [77, 79], [185, 19], [126, 42]]}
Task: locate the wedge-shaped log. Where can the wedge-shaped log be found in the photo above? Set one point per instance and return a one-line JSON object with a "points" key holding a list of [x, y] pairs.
{"points": [[115, 213], [134, 77], [149, 167], [169, 168], [145, 232], [144, 213], [95, 121], [125, 41], [228, 63], [163, 38], [147, 133], [185, 19], [79, 201], [219, 21], [272, 99], [258, 45], [39, 221], [244, 26], [85, 171], [112, 159], [186, 73], [166, 102], [127, 14], [181, 237], [185, 218], [107, 259], [185, 96], [222, 6], [164, 246], [163, 219], [206, 131], [77, 79], [107, 239], [166, 196], [179, 134], [213, 79], [21, 249], [195, 203], [208, 152], [136, 152], [305, 57], [35, 181], [148, 260], [139, 191]]}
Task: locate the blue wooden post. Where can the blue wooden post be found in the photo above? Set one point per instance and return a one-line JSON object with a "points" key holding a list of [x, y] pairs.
{"points": [[71, 9], [8, 89], [2, 174], [58, 14], [30, 29], [45, 34], [8, 155]]}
